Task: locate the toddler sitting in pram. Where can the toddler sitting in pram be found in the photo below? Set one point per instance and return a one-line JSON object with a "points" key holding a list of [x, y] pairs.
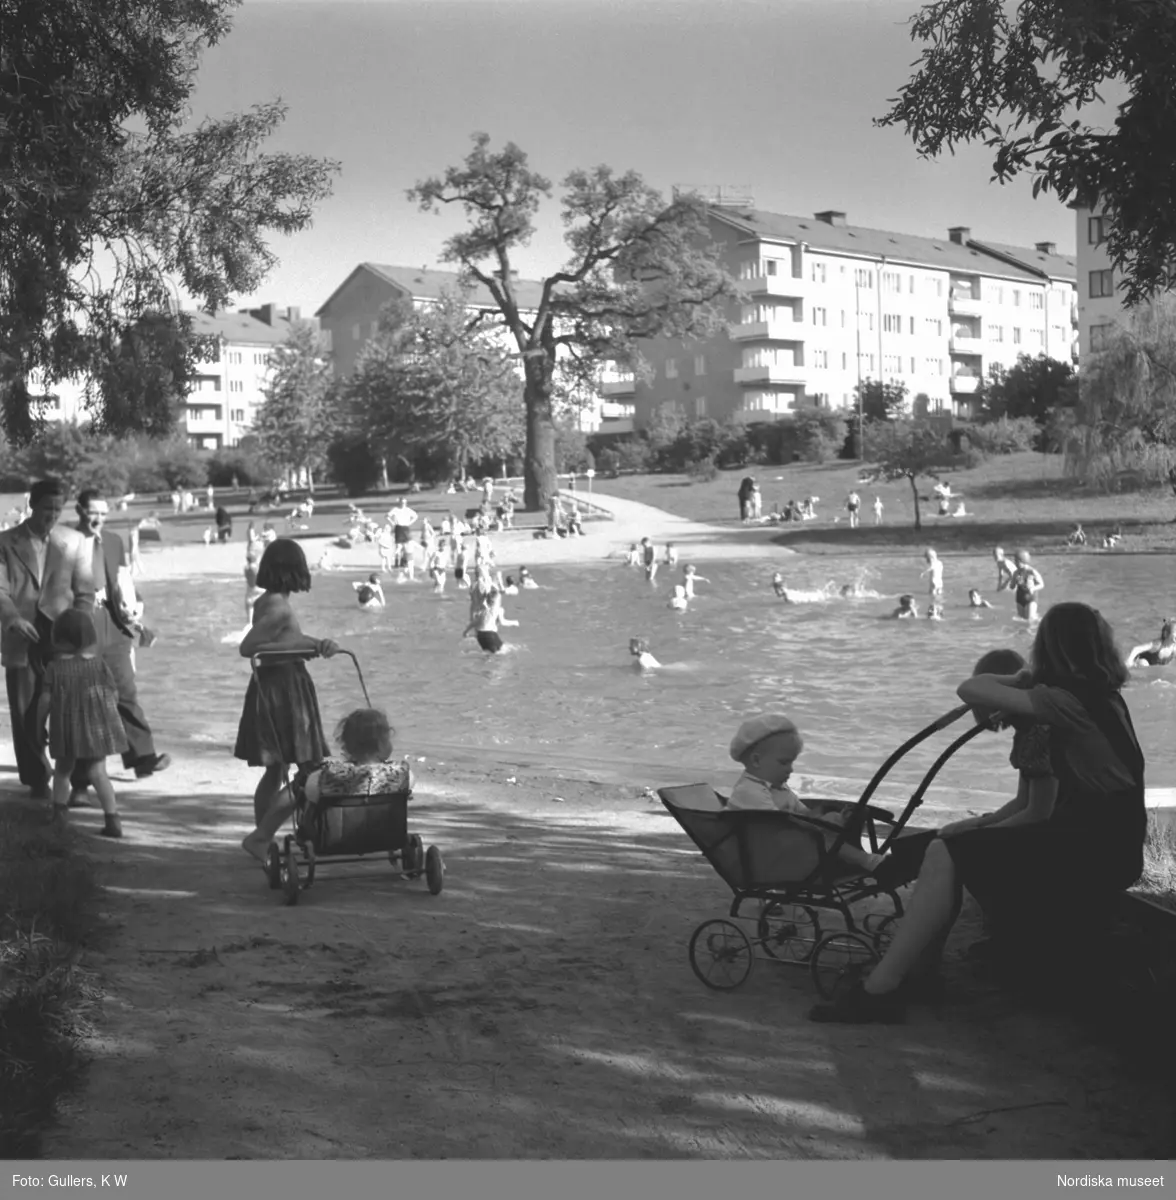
{"points": [[365, 739], [767, 747]]}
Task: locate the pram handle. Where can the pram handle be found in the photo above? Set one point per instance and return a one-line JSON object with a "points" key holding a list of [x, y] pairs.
{"points": [[940, 723], [272, 656]]}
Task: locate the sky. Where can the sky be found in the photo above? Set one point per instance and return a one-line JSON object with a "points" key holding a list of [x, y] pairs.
{"points": [[776, 96]]}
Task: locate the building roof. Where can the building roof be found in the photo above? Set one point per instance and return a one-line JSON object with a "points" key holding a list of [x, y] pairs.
{"points": [[876, 243], [424, 283], [1056, 266], [240, 327]]}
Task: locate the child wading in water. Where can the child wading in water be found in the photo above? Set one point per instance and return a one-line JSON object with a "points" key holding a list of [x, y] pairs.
{"points": [[1026, 583], [486, 614], [934, 569], [280, 724], [690, 577], [84, 725], [369, 592]]}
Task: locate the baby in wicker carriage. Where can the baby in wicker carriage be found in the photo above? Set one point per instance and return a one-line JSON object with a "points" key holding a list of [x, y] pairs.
{"points": [[767, 747]]}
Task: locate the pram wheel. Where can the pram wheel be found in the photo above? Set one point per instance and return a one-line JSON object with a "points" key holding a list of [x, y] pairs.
{"points": [[882, 930], [291, 885], [840, 960], [434, 870], [273, 867], [720, 955], [788, 931]]}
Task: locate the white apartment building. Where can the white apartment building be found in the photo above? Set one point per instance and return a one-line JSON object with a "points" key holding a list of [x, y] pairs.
{"points": [[350, 316], [828, 305], [226, 391]]}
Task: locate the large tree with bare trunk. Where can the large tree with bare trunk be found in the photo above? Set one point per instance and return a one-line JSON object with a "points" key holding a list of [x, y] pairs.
{"points": [[639, 268]]}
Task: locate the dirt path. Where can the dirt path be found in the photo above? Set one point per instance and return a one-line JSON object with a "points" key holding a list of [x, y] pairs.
{"points": [[541, 1007]]}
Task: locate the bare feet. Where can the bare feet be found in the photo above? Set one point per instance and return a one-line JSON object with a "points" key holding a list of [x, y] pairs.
{"points": [[256, 846]]}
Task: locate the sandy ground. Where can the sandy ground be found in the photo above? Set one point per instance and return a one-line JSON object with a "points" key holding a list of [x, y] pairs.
{"points": [[542, 1006]]}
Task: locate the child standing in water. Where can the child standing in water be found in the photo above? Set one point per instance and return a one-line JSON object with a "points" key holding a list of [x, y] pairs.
{"points": [[778, 585], [486, 614], [1004, 569], [639, 649], [679, 602], [649, 558], [84, 725], [934, 569], [671, 554], [1026, 583], [690, 577]]}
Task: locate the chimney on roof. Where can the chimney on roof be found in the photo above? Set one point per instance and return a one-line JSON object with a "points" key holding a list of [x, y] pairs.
{"points": [[959, 234], [293, 313], [1046, 247], [831, 217], [266, 313]]}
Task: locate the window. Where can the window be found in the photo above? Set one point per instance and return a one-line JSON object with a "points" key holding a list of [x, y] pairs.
{"points": [[194, 414], [239, 415], [1099, 336], [700, 406], [996, 333], [863, 278], [912, 364], [700, 364], [998, 295], [1102, 283], [843, 318], [818, 272], [770, 266], [1038, 336], [891, 323], [821, 400], [1096, 230], [1016, 297], [933, 327], [1016, 335], [869, 321], [933, 366], [821, 358], [866, 362], [911, 289], [844, 361], [892, 281], [891, 364], [1036, 300], [912, 327], [819, 316], [671, 368]]}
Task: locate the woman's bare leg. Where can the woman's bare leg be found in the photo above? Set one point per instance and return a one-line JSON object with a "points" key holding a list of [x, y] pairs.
{"points": [[928, 918]]}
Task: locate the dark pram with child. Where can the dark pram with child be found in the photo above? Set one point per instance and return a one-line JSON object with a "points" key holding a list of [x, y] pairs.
{"points": [[802, 902], [359, 812]]}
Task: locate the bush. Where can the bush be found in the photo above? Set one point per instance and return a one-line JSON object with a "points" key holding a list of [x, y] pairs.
{"points": [[608, 461], [353, 464], [702, 470], [181, 464], [1005, 436], [633, 455], [819, 434], [246, 466]]}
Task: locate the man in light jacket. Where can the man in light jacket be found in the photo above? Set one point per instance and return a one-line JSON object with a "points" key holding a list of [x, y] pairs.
{"points": [[44, 569]]}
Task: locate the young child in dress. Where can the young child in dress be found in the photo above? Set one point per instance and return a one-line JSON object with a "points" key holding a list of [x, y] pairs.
{"points": [[633, 558], [364, 766], [280, 723], [84, 725], [767, 747], [690, 577], [934, 569], [369, 592], [1004, 569]]}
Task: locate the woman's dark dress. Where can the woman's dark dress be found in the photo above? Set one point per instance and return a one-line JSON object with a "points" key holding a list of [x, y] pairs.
{"points": [[1091, 846], [286, 727]]}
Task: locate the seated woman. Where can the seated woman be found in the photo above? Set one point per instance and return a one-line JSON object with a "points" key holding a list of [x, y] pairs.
{"points": [[1158, 653], [1089, 833], [365, 739]]}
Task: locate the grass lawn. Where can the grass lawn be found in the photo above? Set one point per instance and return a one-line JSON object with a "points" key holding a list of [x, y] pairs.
{"points": [[1015, 500]]}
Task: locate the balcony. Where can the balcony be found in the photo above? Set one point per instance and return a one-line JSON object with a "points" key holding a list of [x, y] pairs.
{"points": [[964, 385], [965, 306], [773, 331], [204, 417], [626, 386], [775, 285], [776, 373], [966, 345]]}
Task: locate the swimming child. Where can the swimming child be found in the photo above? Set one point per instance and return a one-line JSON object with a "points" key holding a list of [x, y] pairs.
{"points": [[679, 602], [767, 747], [690, 577], [1004, 569], [935, 612], [975, 600], [509, 587], [1158, 653], [778, 584], [906, 607], [526, 580], [649, 558], [934, 569], [639, 649], [84, 725], [671, 559], [369, 592], [486, 614], [1026, 583]]}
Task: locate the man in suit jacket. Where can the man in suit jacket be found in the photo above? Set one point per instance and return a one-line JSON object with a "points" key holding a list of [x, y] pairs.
{"points": [[117, 631], [44, 569]]}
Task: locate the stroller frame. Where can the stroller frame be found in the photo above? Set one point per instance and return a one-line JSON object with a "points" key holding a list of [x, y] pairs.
{"points": [[741, 845], [382, 819]]}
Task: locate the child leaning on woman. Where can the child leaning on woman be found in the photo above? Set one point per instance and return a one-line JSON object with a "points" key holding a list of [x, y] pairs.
{"points": [[767, 747]]}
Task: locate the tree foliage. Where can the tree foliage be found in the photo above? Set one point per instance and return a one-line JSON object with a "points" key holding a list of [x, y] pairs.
{"points": [[881, 401], [1126, 415], [299, 415], [429, 385], [1018, 77], [1031, 387], [904, 450], [638, 269], [108, 203]]}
